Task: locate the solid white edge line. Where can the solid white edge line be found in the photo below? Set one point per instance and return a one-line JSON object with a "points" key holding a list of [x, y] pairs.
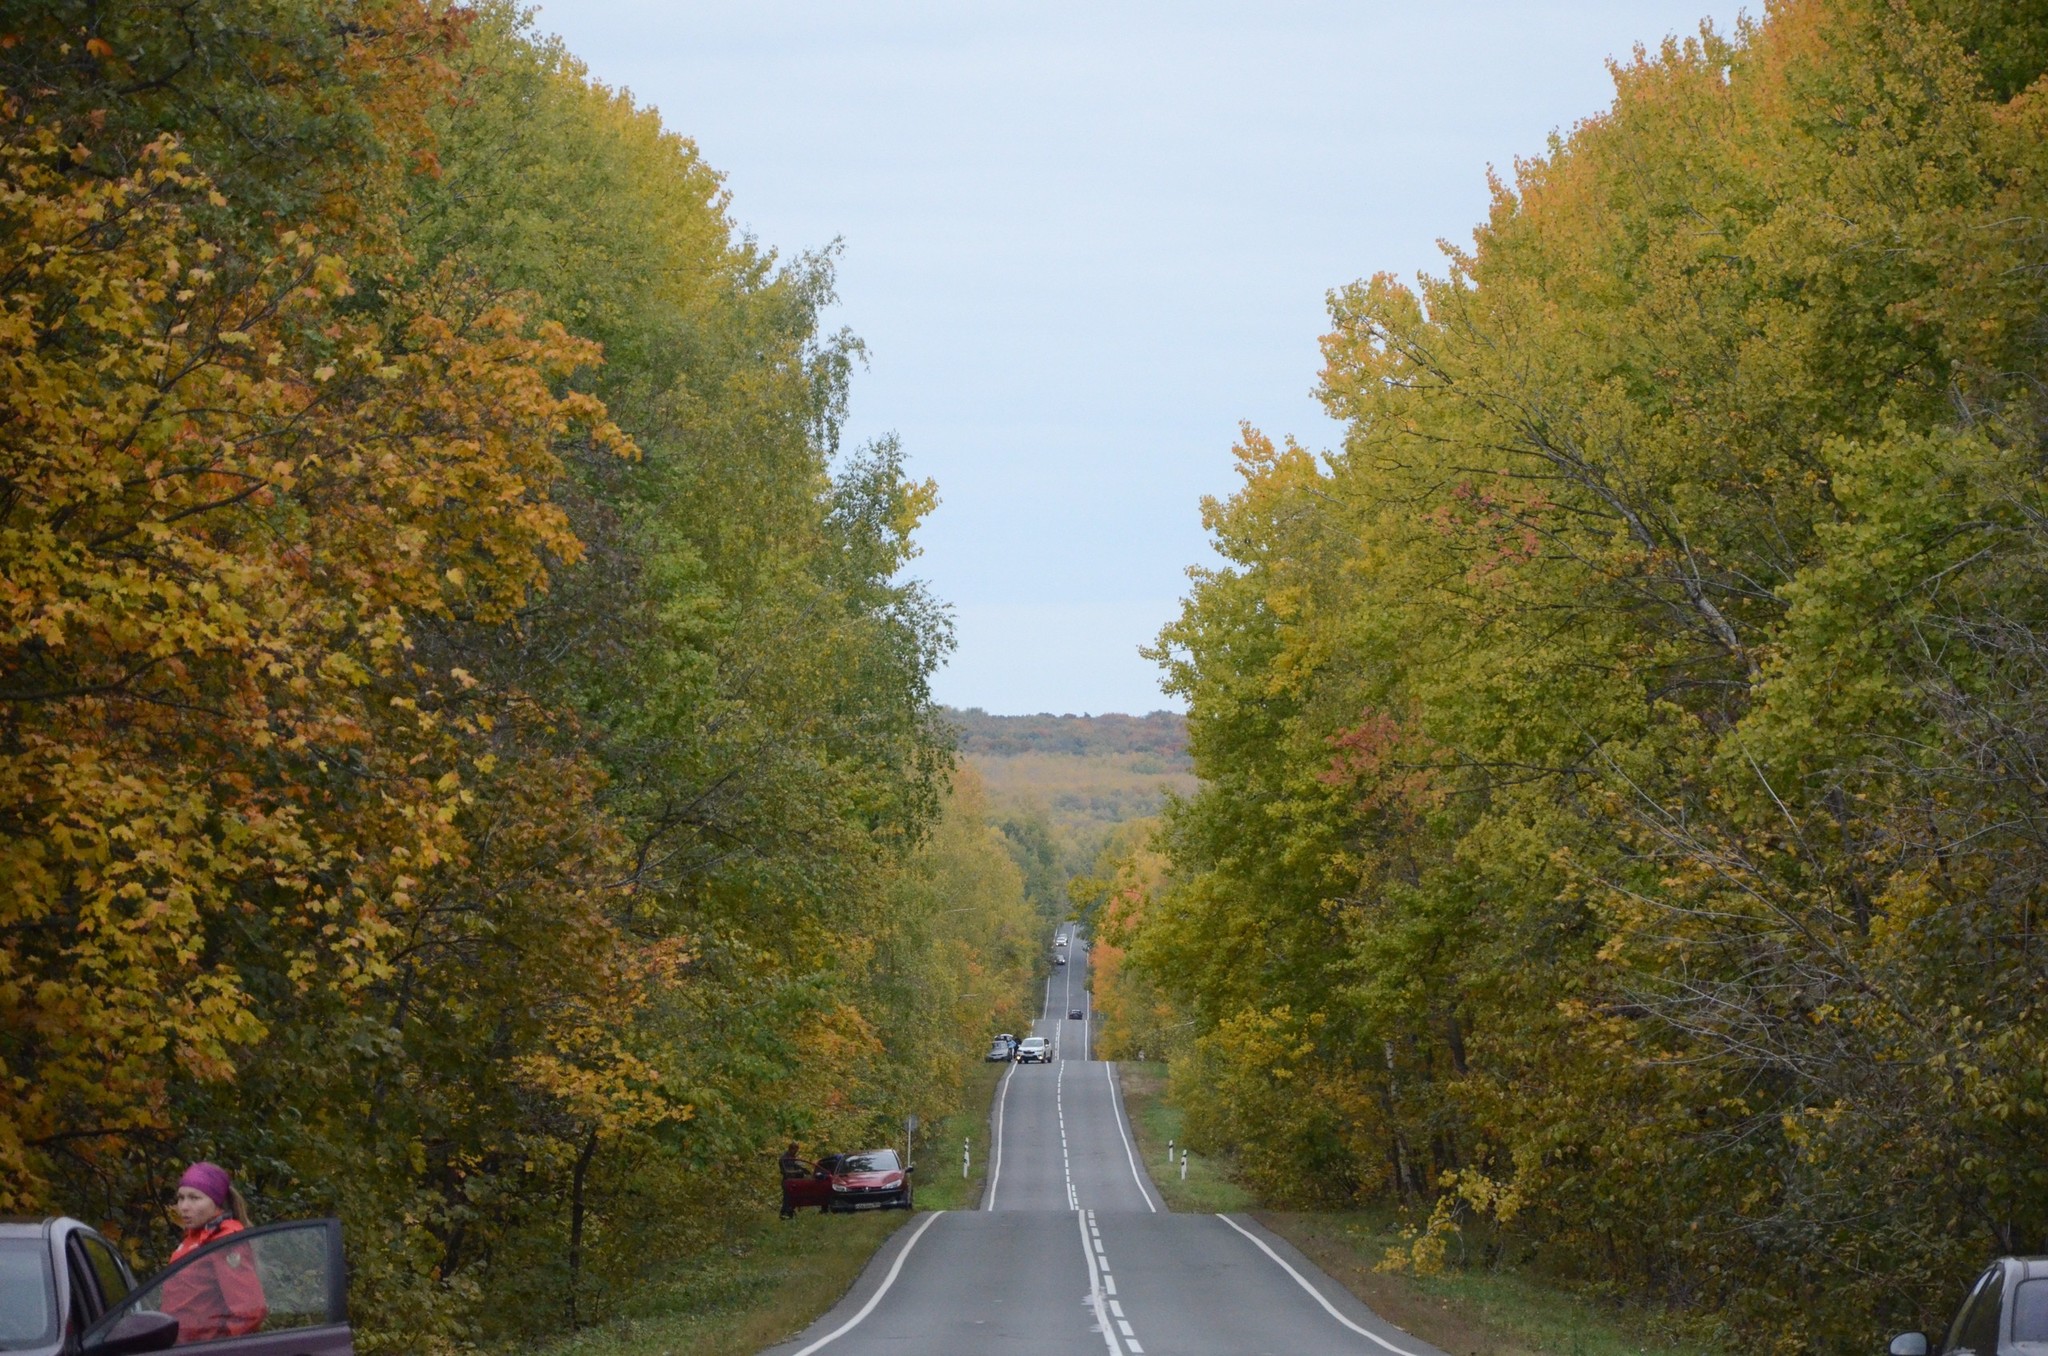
{"points": [[876, 1298], [1116, 1104], [1094, 1288], [995, 1167], [1314, 1293]]}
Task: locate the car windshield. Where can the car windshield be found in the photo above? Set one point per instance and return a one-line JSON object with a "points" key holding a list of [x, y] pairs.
{"points": [[2030, 1312], [28, 1304], [874, 1160], [1035, 1042]]}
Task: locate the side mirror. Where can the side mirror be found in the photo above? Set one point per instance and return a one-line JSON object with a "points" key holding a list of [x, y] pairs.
{"points": [[1909, 1344], [139, 1331], [912, 1168]]}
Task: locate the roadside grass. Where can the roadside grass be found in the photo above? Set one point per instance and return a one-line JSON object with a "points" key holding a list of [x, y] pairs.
{"points": [[1478, 1310], [763, 1288], [939, 1184], [778, 1277], [1208, 1188], [1466, 1311]]}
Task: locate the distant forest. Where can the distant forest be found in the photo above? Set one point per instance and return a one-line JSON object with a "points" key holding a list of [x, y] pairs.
{"points": [[1162, 733]]}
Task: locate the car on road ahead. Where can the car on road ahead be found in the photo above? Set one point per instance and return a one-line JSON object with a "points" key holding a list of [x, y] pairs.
{"points": [[1035, 1050], [1001, 1049], [66, 1291], [1060, 958], [1077, 1015], [2005, 1314]]}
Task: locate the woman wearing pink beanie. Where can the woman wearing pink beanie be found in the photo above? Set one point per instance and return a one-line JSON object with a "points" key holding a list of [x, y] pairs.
{"points": [[219, 1295]]}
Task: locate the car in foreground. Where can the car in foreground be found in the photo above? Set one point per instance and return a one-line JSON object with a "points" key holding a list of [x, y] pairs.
{"points": [[1000, 1050], [66, 1291], [1035, 1050], [2005, 1314], [872, 1179]]}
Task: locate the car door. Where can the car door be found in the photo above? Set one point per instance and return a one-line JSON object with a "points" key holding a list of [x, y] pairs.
{"points": [[283, 1288], [1975, 1330], [815, 1189]]}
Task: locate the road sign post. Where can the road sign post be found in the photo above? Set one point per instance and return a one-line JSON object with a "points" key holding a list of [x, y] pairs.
{"points": [[966, 1152], [1183, 1165]]}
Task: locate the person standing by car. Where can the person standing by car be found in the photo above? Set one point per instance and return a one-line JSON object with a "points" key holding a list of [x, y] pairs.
{"points": [[794, 1169], [219, 1295]]}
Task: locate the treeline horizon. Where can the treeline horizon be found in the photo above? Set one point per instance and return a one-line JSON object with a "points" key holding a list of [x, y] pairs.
{"points": [[467, 760], [1622, 759], [1158, 732]]}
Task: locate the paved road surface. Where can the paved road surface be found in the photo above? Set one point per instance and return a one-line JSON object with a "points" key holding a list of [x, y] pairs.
{"points": [[1073, 1253]]}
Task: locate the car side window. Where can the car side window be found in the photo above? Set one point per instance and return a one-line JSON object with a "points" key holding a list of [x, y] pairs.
{"points": [[1976, 1326], [106, 1269], [2030, 1312], [249, 1282], [85, 1301]]}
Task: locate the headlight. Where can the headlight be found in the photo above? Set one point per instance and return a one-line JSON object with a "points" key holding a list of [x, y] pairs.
{"points": [[841, 1186]]}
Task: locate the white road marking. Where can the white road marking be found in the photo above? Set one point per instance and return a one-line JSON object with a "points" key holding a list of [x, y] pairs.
{"points": [[1066, 1006], [1314, 1293], [1059, 1101], [1094, 1291], [1116, 1104], [995, 1167], [876, 1298]]}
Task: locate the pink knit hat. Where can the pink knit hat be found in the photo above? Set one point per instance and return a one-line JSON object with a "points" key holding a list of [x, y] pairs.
{"points": [[211, 1179]]}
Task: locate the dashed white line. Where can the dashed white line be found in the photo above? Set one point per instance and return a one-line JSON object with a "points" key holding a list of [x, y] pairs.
{"points": [[1314, 1293], [1059, 1101], [1097, 1274], [882, 1290]]}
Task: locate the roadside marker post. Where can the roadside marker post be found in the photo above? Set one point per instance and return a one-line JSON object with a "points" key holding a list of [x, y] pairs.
{"points": [[966, 1152], [1183, 1165], [1169, 1153]]}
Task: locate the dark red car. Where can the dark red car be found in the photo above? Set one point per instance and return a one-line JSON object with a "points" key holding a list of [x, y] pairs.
{"points": [[873, 1179], [66, 1291]]}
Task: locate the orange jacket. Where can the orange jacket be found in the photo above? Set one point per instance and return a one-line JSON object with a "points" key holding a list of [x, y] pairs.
{"points": [[220, 1294]]}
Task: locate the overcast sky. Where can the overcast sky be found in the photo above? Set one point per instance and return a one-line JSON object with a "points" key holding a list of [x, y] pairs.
{"points": [[1084, 241]]}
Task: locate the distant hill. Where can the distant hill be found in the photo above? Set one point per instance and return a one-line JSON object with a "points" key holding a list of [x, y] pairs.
{"points": [[1163, 734], [1081, 774]]}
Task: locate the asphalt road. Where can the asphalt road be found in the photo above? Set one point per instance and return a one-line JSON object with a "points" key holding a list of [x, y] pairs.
{"points": [[1073, 1254]]}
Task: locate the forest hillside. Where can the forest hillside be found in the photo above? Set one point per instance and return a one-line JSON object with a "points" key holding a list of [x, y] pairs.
{"points": [[467, 761], [1619, 824]]}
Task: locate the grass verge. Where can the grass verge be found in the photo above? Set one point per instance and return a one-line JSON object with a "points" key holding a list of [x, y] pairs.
{"points": [[1466, 1312], [939, 1184], [1208, 1188], [764, 1288], [1480, 1311], [777, 1279]]}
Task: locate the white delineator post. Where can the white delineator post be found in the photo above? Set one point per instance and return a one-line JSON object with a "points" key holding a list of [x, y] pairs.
{"points": [[1169, 1153], [1183, 1165], [966, 1152]]}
